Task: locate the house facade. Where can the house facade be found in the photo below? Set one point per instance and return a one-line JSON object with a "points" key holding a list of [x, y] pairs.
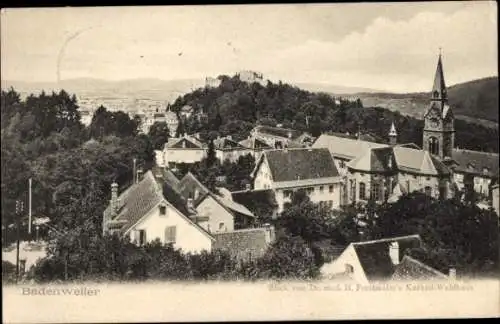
{"points": [[255, 146], [186, 149], [384, 174], [228, 149], [152, 210], [278, 137], [215, 212], [289, 170]]}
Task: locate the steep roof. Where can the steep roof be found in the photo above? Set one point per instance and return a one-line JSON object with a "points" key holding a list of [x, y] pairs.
{"points": [[277, 131], [245, 243], [419, 161], [140, 198], [228, 203], [300, 164], [474, 162], [346, 148], [186, 142], [165, 175], [439, 84], [412, 269], [255, 144], [225, 143], [188, 186], [402, 158], [374, 256]]}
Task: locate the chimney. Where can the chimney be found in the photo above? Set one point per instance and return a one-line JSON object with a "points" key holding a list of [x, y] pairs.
{"points": [[452, 274], [190, 203], [139, 174], [394, 252]]}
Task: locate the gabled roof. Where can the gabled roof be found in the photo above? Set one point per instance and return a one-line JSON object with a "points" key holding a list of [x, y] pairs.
{"points": [[477, 161], [299, 164], [225, 143], [277, 131], [165, 175], [418, 161], [346, 148], [189, 184], [374, 160], [188, 142], [259, 202], [255, 144], [412, 269], [140, 198], [245, 243], [374, 255], [402, 158]]}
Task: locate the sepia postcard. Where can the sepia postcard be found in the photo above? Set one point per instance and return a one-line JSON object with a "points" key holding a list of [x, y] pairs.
{"points": [[250, 162]]}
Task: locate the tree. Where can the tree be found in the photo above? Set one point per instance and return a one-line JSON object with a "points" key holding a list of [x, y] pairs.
{"points": [[211, 156], [159, 133]]}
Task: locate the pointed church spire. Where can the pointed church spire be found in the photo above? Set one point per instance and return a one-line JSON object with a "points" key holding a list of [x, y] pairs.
{"points": [[439, 87], [393, 135]]}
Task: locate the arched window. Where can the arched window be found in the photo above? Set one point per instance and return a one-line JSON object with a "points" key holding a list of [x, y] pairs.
{"points": [[362, 191], [433, 145]]}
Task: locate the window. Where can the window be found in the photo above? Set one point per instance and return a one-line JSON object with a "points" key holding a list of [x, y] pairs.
{"points": [[163, 210], [287, 193], [341, 164], [141, 237], [222, 227], [330, 188], [349, 268], [353, 189], [414, 176], [428, 178], [330, 204], [428, 191], [362, 191], [375, 191], [170, 234], [433, 145], [321, 189]]}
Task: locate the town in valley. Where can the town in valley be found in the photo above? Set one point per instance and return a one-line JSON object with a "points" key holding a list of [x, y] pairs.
{"points": [[240, 177]]}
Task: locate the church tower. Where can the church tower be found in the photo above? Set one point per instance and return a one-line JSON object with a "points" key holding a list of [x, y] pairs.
{"points": [[439, 129]]}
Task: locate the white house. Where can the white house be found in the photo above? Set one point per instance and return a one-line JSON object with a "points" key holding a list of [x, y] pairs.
{"points": [[216, 212], [289, 170], [151, 209], [228, 149], [379, 260], [186, 149]]}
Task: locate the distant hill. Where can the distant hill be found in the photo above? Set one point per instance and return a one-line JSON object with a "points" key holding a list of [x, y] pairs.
{"points": [[475, 101], [155, 89], [333, 89]]}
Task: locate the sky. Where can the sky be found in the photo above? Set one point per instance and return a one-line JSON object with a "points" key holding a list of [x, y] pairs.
{"points": [[386, 46]]}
